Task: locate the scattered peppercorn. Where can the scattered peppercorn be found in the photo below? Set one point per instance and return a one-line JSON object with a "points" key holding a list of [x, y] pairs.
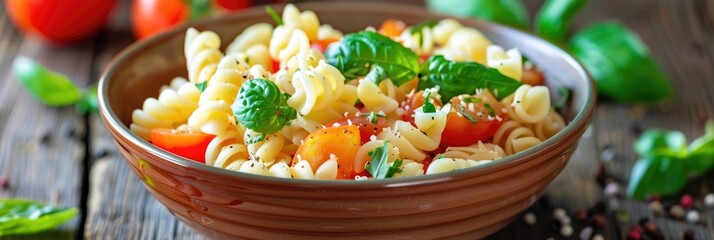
{"points": [[676, 211], [686, 201], [586, 233], [709, 200], [4, 182], [530, 218], [693, 216], [656, 208], [581, 215], [566, 230]]}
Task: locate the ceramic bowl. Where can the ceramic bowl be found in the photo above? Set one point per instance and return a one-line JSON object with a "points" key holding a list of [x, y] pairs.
{"points": [[470, 203]]}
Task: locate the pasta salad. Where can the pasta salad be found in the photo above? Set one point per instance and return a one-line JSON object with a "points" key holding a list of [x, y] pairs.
{"points": [[303, 100]]}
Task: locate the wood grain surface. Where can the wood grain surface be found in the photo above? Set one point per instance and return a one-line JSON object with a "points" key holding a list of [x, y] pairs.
{"points": [[58, 156]]}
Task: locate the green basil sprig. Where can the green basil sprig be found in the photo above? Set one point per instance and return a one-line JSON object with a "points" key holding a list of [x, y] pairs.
{"points": [[553, 19], [456, 78], [621, 64], [261, 107], [370, 53], [21, 216], [509, 12], [48, 87], [666, 162], [379, 166]]}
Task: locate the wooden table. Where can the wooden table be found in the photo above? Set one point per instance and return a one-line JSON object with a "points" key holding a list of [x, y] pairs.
{"points": [[59, 156]]}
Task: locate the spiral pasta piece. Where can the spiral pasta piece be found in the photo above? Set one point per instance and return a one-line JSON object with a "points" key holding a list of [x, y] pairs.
{"points": [[373, 99], [316, 88], [551, 125], [293, 21], [509, 63], [327, 171], [528, 104], [513, 137], [227, 151], [256, 55], [478, 151], [442, 165], [269, 150], [409, 168], [202, 54], [174, 105], [327, 32], [214, 114], [362, 157], [256, 34], [410, 141]]}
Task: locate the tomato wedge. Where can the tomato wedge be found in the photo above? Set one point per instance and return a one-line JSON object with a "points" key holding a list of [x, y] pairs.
{"points": [[188, 144], [392, 28], [343, 141], [412, 103], [472, 119]]}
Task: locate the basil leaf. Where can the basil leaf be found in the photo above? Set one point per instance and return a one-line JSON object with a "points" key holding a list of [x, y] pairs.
{"points": [[660, 173], [553, 19], [373, 117], [370, 53], [656, 140], [89, 102], [199, 8], [379, 164], [20, 216], [48, 87], [428, 107], [456, 78], [621, 64], [701, 151], [261, 107], [509, 12]]}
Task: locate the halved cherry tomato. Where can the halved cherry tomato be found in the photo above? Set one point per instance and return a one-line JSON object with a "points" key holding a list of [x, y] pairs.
{"points": [[366, 127], [460, 131], [188, 144], [321, 45], [343, 141], [276, 66], [414, 101], [149, 17], [392, 28]]}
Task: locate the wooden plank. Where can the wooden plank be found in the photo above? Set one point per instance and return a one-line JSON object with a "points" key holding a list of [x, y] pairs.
{"points": [[42, 148], [118, 204]]}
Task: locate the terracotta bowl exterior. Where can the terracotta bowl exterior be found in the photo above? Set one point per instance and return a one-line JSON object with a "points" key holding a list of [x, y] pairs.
{"points": [[470, 203]]}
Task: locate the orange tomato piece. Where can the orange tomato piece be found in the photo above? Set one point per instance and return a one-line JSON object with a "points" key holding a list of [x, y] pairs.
{"points": [[342, 141], [392, 28]]}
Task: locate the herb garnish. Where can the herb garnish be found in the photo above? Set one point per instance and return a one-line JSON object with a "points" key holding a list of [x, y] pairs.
{"points": [[374, 55], [202, 85], [490, 110], [379, 166], [456, 78], [21, 216], [261, 106], [274, 15], [428, 106], [373, 117], [255, 139], [467, 115]]}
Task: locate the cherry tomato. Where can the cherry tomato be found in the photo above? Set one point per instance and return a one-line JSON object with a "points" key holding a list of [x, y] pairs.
{"points": [[149, 17], [366, 127], [343, 141], [461, 131], [321, 45], [188, 144], [392, 28], [413, 102], [60, 21], [232, 5], [276, 66]]}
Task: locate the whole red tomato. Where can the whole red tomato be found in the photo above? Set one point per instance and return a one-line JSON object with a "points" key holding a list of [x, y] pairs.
{"points": [[149, 17], [60, 21]]}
